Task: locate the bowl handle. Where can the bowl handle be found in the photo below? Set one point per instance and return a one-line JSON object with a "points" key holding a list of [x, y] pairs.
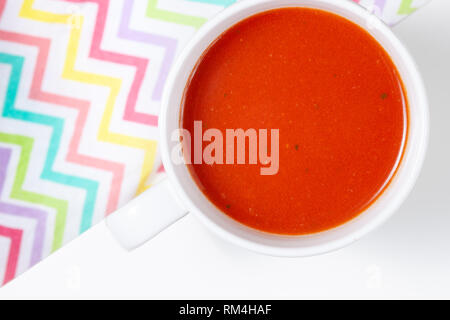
{"points": [[145, 216]]}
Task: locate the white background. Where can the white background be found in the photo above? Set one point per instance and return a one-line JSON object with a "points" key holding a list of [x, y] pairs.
{"points": [[408, 257]]}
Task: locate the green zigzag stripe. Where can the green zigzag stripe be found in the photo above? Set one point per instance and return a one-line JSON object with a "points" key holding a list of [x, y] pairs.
{"points": [[57, 125], [154, 12], [17, 192], [174, 17], [406, 7]]}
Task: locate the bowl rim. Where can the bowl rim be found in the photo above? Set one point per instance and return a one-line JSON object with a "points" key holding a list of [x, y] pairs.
{"points": [[185, 200]]}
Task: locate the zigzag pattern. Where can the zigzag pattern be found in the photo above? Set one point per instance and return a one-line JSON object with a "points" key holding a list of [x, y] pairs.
{"points": [[57, 125], [169, 44], [36, 214], [17, 192], [405, 7], [139, 63], [103, 131], [113, 84], [81, 106]]}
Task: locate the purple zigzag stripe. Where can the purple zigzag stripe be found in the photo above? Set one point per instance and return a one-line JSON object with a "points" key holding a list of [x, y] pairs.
{"points": [[169, 44], [39, 215], [380, 4]]}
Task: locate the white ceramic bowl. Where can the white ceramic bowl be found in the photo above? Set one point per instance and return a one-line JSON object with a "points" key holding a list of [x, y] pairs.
{"points": [[188, 198]]}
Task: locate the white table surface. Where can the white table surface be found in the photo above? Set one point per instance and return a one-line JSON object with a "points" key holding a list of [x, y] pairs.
{"points": [[408, 257]]}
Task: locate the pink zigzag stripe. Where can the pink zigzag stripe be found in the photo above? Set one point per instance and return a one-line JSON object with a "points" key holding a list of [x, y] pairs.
{"points": [[139, 63], [81, 106], [169, 44], [13, 257], [38, 215]]}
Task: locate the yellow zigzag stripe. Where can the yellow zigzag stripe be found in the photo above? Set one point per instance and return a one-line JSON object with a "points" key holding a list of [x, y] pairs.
{"points": [[114, 84]]}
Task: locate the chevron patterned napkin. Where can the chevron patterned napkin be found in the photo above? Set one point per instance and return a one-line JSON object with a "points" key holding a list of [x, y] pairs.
{"points": [[80, 90]]}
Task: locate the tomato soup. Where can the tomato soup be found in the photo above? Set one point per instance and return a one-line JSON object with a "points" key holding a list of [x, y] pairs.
{"points": [[339, 104]]}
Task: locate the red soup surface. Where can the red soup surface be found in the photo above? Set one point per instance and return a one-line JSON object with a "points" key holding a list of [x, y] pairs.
{"points": [[338, 102]]}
